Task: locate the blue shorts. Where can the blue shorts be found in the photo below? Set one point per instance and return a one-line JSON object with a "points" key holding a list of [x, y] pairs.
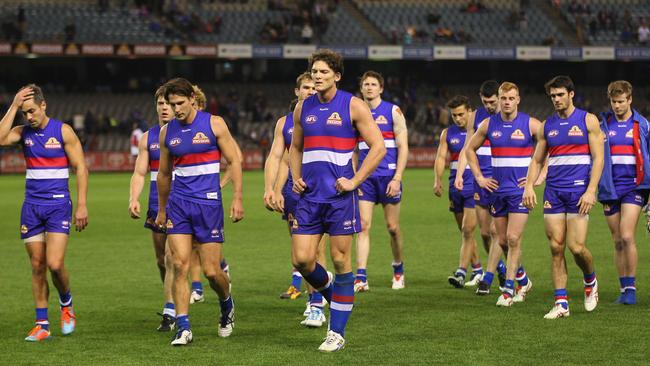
{"points": [[503, 204], [481, 195], [35, 219], [373, 189], [460, 200], [561, 202], [634, 197], [203, 221], [340, 217], [150, 222], [290, 201]]}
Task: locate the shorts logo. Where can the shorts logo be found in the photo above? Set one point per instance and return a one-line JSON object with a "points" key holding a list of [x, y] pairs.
{"points": [[381, 120], [294, 223], [547, 204], [575, 131], [52, 143], [454, 141], [496, 134], [214, 233], [29, 142], [493, 209], [154, 147], [175, 141], [607, 208], [612, 133], [347, 225], [334, 119], [553, 133], [23, 229], [638, 198], [517, 135], [360, 192], [629, 134], [65, 224], [476, 196], [451, 204], [170, 225], [200, 138], [311, 119]]}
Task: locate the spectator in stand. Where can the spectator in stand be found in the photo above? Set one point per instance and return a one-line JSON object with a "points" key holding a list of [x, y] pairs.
{"points": [[136, 134], [644, 33], [70, 31], [307, 33]]}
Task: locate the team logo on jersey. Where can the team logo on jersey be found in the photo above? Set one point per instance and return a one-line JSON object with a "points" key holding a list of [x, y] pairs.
{"points": [[334, 119], [575, 131], [311, 119], [547, 204], [381, 120], [454, 141], [52, 143], [476, 196], [23, 229], [553, 133], [29, 142], [200, 138], [175, 141], [496, 134], [629, 134], [517, 135], [612, 133], [170, 224]]}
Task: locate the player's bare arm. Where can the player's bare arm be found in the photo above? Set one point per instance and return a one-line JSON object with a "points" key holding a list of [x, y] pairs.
{"points": [[75, 154], [596, 147], [535, 167], [137, 179], [365, 124], [402, 143], [439, 163], [229, 151], [475, 142], [272, 164], [533, 127], [227, 177], [462, 158], [295, 152], [164, 179], [280, 181]]}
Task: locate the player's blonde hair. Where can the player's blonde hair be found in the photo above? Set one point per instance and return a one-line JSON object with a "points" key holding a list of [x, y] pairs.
{"points": [[507, 86], [618, 88], [305, 76], [199, 96]]}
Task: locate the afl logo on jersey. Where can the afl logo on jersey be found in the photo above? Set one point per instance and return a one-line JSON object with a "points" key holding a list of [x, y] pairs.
{"points": [[496, 134], [200, 138], [29, 142], [381, 120], [311, 119], [612, 133], [334, 119], [553, 133], [154, 147], [454, 141], [575, 131], [629, 134], [52, 143], [175, 141], [517, 135]]}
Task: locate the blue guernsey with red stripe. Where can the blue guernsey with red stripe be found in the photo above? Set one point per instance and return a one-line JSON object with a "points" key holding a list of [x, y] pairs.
{"points": [[621, 148], [196, 159], [484, 153], [455, 140], [47, 164], [328, 142], [287, 133], [512, 148], [569, 162], [383, 116], [153, 147]]}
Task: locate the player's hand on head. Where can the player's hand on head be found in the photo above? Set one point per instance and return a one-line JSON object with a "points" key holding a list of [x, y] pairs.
{"points": [[134, 209], [345, 185], [586, 202], [81, 218], [299, 186], [236, 210], [22, 96]]}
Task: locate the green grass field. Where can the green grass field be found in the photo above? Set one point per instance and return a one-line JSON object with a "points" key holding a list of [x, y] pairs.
{"points": [[117, 293]]}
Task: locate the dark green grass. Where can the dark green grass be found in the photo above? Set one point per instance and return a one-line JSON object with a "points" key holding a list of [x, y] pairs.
{"points": [[117, 292]]}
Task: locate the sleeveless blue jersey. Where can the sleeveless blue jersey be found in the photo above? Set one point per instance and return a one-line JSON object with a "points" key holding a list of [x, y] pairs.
{"points": [[287, 133], [196, 158], [383, 116], [47, 172], [512, 148], [569, 162], [484, 153], [621, 147], [455, 140], [328, 142], [153, 148]]}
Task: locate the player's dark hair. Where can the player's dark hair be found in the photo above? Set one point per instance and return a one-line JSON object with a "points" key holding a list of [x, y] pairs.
{"points": [[457, 101], [560, 81], [372, 74], [178, 86], [38, 93], [333, 59], [160, 92], [489, 88]]}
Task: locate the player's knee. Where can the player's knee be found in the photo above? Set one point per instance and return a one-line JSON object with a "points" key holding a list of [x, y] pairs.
{"points": [[365, 225], [55, 267], [627, 241], [577, 249], [557, 249], [38, 267], [512, 240], [619, 245], [467, 231], [393, 229], [303, 263]]}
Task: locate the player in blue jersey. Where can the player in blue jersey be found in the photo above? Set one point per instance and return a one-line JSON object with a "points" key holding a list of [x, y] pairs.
{"points": [[511, 134], [572, 139], [461, 202], [488, 94], [191, 144], [384, 186], [148, 160], [624, 185], [50, 148], [326, 128]]}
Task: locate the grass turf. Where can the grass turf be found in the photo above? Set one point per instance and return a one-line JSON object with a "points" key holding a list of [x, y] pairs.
{"points": [[117, 293]]}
